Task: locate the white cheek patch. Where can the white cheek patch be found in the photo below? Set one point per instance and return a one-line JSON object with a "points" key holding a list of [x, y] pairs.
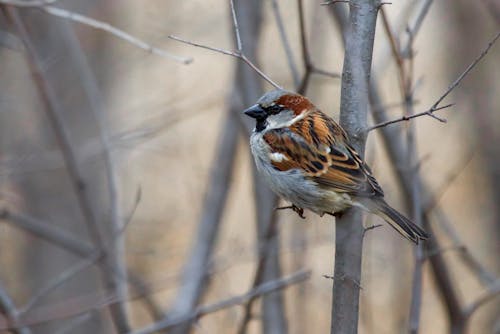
{"points": [[277, 157]]}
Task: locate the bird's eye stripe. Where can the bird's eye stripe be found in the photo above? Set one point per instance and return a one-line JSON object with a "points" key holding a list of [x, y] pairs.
{"points": [[273, 108]]}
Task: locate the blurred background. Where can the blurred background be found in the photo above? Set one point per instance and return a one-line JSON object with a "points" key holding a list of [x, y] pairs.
{"points": [[154, 154]]}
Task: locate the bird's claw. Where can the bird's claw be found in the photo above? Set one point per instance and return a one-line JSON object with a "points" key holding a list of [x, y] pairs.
{"points": [[296, 209]]}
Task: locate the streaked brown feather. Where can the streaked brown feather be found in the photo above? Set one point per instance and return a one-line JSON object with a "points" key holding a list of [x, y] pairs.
{"points": [[341, 169]]}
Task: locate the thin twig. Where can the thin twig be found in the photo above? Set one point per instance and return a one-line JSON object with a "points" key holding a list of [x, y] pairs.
{"points": [[309, 66], [490, 294], [195, 269], [428, 112], [260, 290], [286, 43], [414, 28], [76, 246], [9, 312], [28, 3], [58, 281], [333, 2], [454, 84], [239, 45], [52, 109], [229, 53], [117, 225], [77, 321], [264, 248], [370, 228], [467, 70], [99, 25], [484, 276], [449, 179]]}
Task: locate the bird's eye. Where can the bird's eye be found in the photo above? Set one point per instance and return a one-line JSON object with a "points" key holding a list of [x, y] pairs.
{"points": [[274, 109]]}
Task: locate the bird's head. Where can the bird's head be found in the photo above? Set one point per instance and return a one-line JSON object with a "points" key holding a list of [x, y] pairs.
{"points": [[278, 108]]}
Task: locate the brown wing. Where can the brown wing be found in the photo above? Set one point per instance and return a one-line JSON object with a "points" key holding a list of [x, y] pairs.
{"points": [[324, 153]]}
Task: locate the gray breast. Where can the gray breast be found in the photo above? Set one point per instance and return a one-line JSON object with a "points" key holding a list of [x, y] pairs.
{"points": [[291, 184]]}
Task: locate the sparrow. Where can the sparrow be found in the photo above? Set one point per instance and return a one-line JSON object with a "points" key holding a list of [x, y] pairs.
{"points": [[307, 159]]}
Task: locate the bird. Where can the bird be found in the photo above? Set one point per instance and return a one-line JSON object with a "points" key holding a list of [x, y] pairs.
{"points": [[306, 158]]}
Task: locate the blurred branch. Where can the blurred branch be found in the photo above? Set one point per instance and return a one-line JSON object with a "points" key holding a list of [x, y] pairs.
{"points": [[28, 3], [405, 66], [76, 246], [285, 42], [99, 25], [493, 8], [236, 54], [484, 276], [77, 321], [54, 112], [265, 247], [490, 294], [453, 85], [8, 309], [407, 91], [116, 283], [194, 272], [196, 268], [414, 28], [309, 66], [353, 114], [59, 280], [260, 290]]}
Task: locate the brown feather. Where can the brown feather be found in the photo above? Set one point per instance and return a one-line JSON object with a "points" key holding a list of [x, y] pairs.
{"points": [[311, 138]]}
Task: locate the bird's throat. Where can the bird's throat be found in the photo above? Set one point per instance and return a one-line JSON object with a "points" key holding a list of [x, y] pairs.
{"points": [[261, 125]]}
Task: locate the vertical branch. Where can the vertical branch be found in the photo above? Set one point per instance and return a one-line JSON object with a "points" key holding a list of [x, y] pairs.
{"points": [[8, 309], [118, 281], [353, 118], [268, 269], [54, 112], [194, 273]]}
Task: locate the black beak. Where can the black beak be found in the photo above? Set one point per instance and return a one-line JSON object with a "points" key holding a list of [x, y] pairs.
{"points": [[256, 111]]}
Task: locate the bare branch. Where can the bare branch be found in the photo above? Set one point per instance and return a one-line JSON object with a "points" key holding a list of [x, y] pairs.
{"points": [[467, 70], [28, 3], [333, 2], [286, 44], [99, 25], [490, 294], [407, 118], [76, 246], [359, 39], [54, 113], [260, 290], [454, 84], [229, 53], [264, 248], [195, 269], [309, 66], [58, 281], [77, 321], [414, 28], [236, 28], [9, 312]]}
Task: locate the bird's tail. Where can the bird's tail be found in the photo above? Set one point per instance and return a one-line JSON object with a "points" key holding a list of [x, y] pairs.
{"points": [[397, 221]]}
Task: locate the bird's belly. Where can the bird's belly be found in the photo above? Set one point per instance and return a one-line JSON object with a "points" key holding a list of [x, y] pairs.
{"points": [[294, 187]]}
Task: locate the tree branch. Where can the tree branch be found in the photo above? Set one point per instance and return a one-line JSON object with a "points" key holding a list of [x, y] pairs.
{"points": [[44, 5], [353, 115], [260, 290]]}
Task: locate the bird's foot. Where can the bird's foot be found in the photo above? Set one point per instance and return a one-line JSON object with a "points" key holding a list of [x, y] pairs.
{"points": [[295, 208]]}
